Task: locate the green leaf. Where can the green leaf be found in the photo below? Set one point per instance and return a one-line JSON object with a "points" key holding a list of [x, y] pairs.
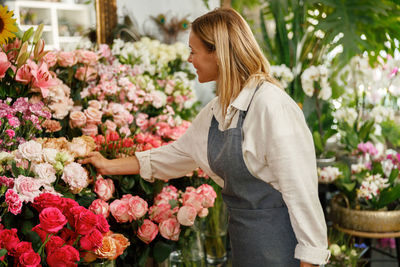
{"points": [[127, 183], [161, 251], [388, 196], [146, 186], [319, 146], [27, 34], [349, 187], [144, 256], [393, 175], [3, 252]]}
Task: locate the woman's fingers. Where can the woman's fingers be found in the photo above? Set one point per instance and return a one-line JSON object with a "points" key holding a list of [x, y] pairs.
{"points": [[90, 158]]}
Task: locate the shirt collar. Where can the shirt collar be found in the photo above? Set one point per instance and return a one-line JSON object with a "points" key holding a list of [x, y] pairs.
{"points": [[242, 101]]}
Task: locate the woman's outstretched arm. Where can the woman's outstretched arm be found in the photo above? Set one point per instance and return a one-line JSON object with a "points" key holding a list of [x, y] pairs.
{"points": [[129, 165]]}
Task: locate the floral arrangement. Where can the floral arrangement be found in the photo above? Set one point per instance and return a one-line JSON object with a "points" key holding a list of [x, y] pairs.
{"points": [[372, 182], [171, 211], [317, 108]]}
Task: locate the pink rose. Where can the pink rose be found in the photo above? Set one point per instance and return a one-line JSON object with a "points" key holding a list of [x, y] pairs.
{"points": [[104, 188], [138, 206], [207, 191], [161, 212], [27, 188], [192, 198], [119, 210], [203, 213], [4, 64], [186, 215], [170, 229], [52, 220], [86, 57], [77, 119], [50, 58], [86, 73], [148, 231], [99, 206], [90, 130], [66, 59], [93, 116]]}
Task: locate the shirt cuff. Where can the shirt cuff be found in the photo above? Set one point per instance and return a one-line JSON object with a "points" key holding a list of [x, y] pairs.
{"points": [[312, 255], [145, 165]]}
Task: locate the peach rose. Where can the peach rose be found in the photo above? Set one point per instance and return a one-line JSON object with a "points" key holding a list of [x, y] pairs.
{"points": [[121, 243], [148, 231], [90, 130], [186, 215], [86, 57], [111, 126], [108, 250], [93, 115], [86, 74], [77, 119], [170, 229], [104, 188], [94, 104]]}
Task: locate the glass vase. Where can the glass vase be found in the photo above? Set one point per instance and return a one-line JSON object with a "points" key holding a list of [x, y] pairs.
{"points": [[215, 233], [190, 251]]}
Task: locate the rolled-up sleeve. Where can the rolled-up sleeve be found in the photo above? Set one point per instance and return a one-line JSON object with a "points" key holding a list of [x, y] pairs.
{"points": [[291, 158], [180, 157]]}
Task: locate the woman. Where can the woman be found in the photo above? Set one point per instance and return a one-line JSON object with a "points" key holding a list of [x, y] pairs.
{"points": [[253, 141]]}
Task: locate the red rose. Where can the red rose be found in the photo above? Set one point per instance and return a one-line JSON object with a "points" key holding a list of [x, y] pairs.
{"points": [[73, 214], [9, 239], [92, 241], [52, 220], [68, 236], [85, 222], [64, 256], [46, 200], [41, 233], [21, 248], [67, 204], [29, 259], [102, 224], [55, 242]]}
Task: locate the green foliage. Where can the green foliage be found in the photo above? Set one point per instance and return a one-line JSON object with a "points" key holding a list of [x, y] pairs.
{"points": [[161, 251]]}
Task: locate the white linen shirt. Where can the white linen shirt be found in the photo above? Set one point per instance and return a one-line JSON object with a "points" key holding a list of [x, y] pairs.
{"points": [[277, 148]]}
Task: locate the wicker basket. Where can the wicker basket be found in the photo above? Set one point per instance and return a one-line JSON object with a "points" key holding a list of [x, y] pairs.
{"points": [[364, 220]]}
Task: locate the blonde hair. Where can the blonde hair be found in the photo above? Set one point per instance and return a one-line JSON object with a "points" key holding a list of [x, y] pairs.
{"points": [[240, 59]]}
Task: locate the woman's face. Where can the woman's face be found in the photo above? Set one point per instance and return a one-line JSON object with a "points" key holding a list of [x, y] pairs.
{"points": [[203, 61]]}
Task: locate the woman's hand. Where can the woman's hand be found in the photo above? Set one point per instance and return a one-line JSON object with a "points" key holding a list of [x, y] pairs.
{"points": [[98, 161], [305, 264]]}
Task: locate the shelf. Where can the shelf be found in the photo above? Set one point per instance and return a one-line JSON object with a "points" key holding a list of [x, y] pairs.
{"points": [[64, 22]]}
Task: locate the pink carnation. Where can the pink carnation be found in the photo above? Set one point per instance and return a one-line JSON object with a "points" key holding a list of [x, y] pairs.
{"points": [[13, 202]]}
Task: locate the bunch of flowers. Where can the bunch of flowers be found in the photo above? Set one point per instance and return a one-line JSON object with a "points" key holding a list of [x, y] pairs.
{"points": [[171, 211], [314, 81], [283, 74], [328, 174], [43, 166], [372, 181], [68, 233], [20, 121]]}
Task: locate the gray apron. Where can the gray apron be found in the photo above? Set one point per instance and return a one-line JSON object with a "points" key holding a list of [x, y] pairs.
{"points": [[259, 226]]}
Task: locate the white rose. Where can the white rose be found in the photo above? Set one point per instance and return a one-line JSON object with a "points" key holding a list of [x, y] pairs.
{"points": [[75, 176], [45, 172], [49, 155], [31, 151]]}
